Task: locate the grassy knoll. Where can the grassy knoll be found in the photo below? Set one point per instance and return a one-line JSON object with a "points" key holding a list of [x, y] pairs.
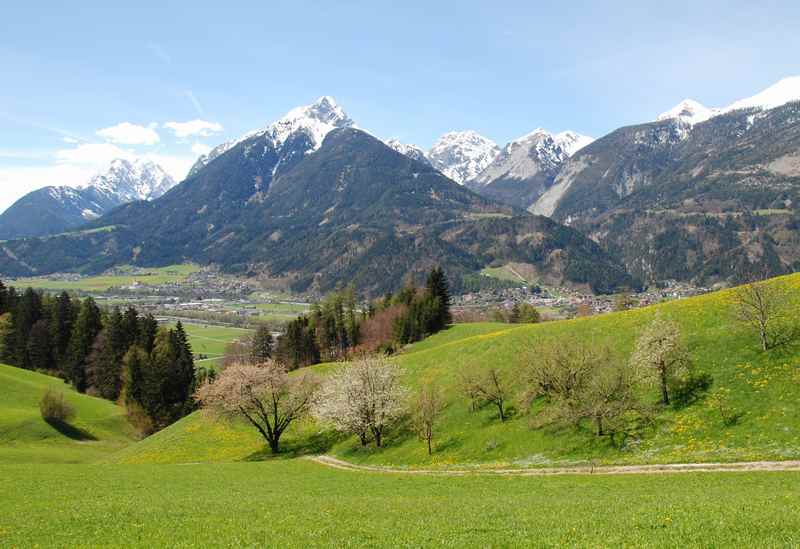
{"points": [[300, 504], [98, 429], [211, 340], [764, 390], [101, 283]]}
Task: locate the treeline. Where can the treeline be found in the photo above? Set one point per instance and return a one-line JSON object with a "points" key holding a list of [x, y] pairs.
{"points": [[338, 326], [116, 355]]}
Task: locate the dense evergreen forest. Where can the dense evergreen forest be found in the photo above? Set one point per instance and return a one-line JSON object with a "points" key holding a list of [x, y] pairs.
{"points": [[110, 353]]}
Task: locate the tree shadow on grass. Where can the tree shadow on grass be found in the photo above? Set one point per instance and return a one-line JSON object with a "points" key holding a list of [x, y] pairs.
{"points": [[315, 444], [70, 431]]}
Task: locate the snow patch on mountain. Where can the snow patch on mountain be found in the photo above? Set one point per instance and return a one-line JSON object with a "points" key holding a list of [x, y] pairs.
{"points": [[777, 95], [128, 181], [571, 142], [536, 152], [689, 111], [462, 155], [409, 150]]}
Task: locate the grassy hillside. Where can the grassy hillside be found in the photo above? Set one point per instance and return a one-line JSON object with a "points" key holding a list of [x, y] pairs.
{"points": [[300, 504], [764, 388], [100, 426]]}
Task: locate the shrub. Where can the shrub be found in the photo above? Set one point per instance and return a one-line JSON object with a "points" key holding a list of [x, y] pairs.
{"points": [[55, 409]]}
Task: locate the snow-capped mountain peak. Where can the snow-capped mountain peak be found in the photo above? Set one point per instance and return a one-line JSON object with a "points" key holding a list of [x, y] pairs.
{"points": [[316, 120], [571, 142], [462, 155], [780, 93], [131, 180], [410, 150], [688, 111]]}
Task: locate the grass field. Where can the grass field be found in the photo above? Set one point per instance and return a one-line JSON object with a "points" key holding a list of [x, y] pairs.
{"points": [[101, 283], [212, 340], [294, 503], [203, 482], [100, 426], [765, 388]]}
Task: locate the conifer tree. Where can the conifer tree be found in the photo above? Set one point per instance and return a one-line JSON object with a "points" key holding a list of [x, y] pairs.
{"points": [[28, 311], [146, 336], [130, 326], [261, 345], [104, 364], [437, 287], [87, 326], [62, 319], [3, 298], [40, 351]]}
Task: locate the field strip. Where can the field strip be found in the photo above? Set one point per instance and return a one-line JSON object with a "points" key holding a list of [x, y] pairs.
{"points": [[217, 357], [191, 335], [749, 466], [510, 268]]}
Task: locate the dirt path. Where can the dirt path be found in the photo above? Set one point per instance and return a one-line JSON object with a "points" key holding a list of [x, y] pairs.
{"points": [[329, 461]]}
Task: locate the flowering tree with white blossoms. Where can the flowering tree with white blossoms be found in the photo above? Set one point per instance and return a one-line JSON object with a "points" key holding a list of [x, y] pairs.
{"points": [[661, 355], [362, 399], [264, 394]]}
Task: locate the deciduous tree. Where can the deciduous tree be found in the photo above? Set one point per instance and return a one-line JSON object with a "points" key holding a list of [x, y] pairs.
{"points": [[264, 395], [363, 398], [660, 354], [764, 306]]}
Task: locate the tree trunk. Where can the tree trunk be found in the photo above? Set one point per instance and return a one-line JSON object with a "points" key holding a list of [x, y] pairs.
{"points": [[430, 450], [664, 391], [500, 407], [273, 445], [363, 438], [599, 421], [764, 340], [378, 435]]}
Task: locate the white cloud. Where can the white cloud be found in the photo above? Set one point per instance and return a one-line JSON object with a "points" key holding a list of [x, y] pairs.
{"points": [[16, 182], [97, 155], [196, 128], [126, 133], [200, 149], [70, 140]]}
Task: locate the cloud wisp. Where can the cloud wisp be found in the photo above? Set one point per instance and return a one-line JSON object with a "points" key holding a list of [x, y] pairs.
{"points": [[126, 133], [193, 128]]}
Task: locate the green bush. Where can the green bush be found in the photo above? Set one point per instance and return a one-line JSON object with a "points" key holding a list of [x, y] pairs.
{"points": [[55, 409]]}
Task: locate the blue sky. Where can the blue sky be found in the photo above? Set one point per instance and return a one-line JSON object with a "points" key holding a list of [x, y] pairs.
{"points": [[411, 70]]}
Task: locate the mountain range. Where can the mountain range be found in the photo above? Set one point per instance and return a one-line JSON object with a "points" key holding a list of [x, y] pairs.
{"points": [[53, 210], [700, 194]]}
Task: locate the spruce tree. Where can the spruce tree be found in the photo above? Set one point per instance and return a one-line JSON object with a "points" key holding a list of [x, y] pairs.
{"points": [[104, 364], [40, 350], [3, 299], [62, 320], [261, 345], [437, 287], [130, 327], [28, 312], [146, 336], [87, 327]]}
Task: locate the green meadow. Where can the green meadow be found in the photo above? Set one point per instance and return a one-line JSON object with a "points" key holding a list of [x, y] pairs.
{"points": [[101, 283], [211, 341], [207, 482], [295, 503]]}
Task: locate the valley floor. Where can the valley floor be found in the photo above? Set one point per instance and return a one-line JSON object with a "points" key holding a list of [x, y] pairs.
{"points": [[297, 503]]}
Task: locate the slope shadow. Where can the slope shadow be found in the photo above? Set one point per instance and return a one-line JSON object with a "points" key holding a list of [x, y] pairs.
{"points": [[70, 431]]}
